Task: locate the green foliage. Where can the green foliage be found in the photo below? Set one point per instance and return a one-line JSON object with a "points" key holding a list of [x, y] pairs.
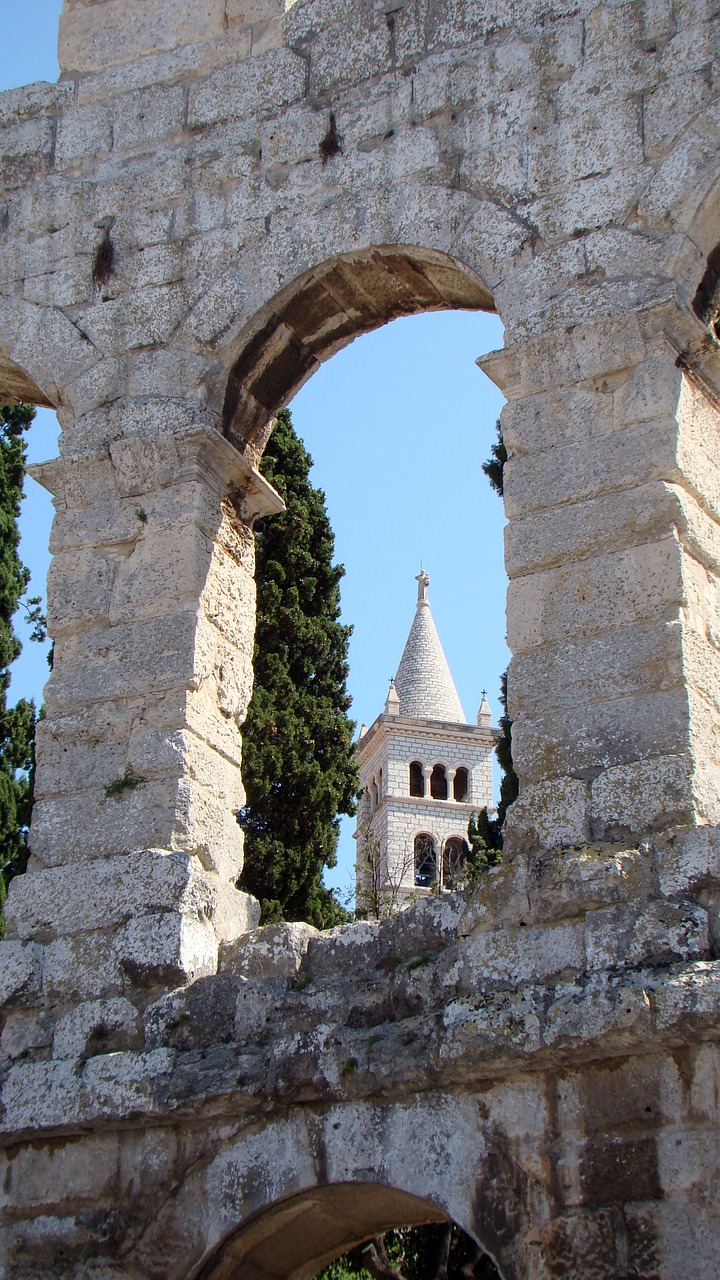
{"points": [[495, 465], [129, 781], [433, 1252], [299, 760], [17, 724], [485, 833], [510, 784]]}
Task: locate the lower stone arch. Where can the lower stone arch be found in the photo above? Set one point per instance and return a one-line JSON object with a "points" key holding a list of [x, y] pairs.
{"points": [[323, 310], [437, 1158], [308, 1230]]}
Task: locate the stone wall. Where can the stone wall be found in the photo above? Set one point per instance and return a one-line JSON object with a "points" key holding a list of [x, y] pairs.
{"points": [[537, 1060], [213, 200]]}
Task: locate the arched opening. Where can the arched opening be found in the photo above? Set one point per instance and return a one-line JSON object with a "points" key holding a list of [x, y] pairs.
{"points": [[300, 1235], [425, 859], [325, 309], [454, 861], [17, 387], [417, 779], [438, 783], [303, 328], [460, 784]]}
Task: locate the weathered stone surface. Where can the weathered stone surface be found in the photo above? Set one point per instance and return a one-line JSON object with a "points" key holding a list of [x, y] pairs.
{"points": [[277, 951], [537, 1059], [20, 973], [99, 1026]]}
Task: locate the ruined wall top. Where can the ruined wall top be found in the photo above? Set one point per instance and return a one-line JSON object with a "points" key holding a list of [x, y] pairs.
{"points": [[95, 34]]}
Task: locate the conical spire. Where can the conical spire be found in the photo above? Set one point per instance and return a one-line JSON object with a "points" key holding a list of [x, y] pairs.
{"points": [[423, 681]]}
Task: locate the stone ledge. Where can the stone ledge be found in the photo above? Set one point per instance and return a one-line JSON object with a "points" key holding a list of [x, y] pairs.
{"points": [[321, 1059]]}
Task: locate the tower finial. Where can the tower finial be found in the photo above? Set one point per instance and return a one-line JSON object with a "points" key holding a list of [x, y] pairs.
{"points": [[423, 581]]}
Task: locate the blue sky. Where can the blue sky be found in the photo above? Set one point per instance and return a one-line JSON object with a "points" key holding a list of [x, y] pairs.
{"points": [[398, 425]]}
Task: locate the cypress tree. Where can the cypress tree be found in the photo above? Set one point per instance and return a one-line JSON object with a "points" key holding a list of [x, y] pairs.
{"points": [[485, 834], [299, 763], [17, 724], [494, 468]]}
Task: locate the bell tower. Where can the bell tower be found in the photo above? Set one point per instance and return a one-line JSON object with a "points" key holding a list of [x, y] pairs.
{"points": [[423, 770]]}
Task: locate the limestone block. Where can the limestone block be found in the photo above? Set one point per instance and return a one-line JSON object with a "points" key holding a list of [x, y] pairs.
{"points": [[79, 590], [639, 453], [47, 1175], [611, 522], [152, 573], [198, 1017], [65, 287], [49, 1095], [165, 950], [606, 592], [146, 317], [115, 518], [599, 1010], [98, 1026], [650, 392], [698, 530], [689, 998], [44, 339], [295, 140], [500, 898], [148, 115], [452, 23], [220, 309], [160, 372], [174, 814], [20, 973], [591, 877], [490, 1028], [83, 967], [75, 746], [25, 148], [125, 32], [83, 133], [603, 735], [688, 861], [38, 99], [534, 953], [549, 814], [637, 660], [576, 412], [156, 753], [250, 11], [67, 900], [646, 795], [25, 1032], [258, 86], [344, 948], [275, 951], [94, 666], [655, 935], [256, 1003]]}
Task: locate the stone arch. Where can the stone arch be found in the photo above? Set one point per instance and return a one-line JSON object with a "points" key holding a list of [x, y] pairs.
{"points": [[313, 1185], [322, 311], [42, 355]]}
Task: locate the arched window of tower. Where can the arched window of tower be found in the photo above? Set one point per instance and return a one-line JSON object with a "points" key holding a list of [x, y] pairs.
{"points": [[417, 779], [425, 861], [438, 783], [460, 784], [454, 861]]}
